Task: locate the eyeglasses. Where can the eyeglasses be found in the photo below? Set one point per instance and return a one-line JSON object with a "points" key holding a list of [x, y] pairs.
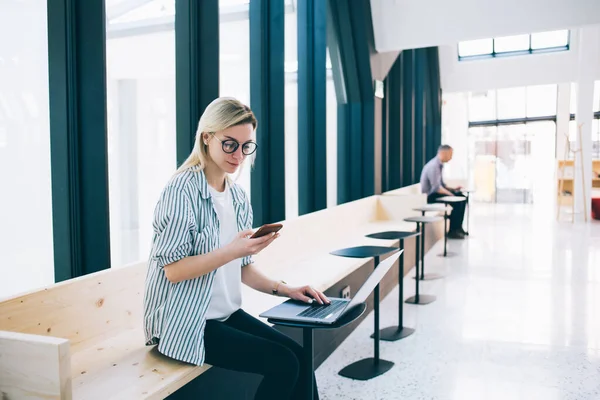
{"points": [[230, 146]]}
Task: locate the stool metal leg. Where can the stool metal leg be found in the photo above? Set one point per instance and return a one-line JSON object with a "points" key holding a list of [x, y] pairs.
{"points": [[307, 346], [369, 368], [468, 213], [376, 309], [446, 253], [424, 276], [419, 298], [393, 333]]}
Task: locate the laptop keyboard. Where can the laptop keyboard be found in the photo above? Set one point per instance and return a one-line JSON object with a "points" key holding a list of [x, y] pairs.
{"points": [[321, 311]]}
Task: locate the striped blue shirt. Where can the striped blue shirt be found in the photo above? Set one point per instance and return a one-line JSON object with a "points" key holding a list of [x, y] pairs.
{"points": [[185, 224]]}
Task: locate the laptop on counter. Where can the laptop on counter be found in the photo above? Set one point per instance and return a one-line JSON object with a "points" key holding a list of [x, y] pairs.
{"points": [[294, 310]]}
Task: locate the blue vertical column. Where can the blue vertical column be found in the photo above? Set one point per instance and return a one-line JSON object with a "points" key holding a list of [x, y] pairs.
{"points": [[312, 127], [435, 92], [408, 117], [393, 85], [267, 101], [352, 32], [196, 79], [78, 137], [420, 75]]}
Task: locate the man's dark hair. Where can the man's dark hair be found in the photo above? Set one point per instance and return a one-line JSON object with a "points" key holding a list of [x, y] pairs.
{"points": [[444, 147]]}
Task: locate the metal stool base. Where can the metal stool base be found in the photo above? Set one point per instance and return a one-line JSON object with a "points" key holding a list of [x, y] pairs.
{"points": [[392, 333], [423, 299], [366, 369]]}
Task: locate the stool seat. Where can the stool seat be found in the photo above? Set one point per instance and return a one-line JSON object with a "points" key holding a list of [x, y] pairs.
{"points": [[363, 251], [392, 235], [423, 220], [451, 199], [431, 207]]}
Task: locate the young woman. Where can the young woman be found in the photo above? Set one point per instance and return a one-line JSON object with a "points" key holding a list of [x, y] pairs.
{"points": [[202, 252]]}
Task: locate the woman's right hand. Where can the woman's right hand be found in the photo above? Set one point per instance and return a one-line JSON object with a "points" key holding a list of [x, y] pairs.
{"points": [[243, 245]]}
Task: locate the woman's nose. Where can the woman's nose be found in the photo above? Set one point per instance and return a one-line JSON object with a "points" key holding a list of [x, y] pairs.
{"points": [[237, 154]]}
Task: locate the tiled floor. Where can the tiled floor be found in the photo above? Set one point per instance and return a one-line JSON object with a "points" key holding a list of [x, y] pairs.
{"points": [[517, 317]]}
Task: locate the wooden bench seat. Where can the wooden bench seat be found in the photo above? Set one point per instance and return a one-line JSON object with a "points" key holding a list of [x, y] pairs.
{"points": [[85, 335]]}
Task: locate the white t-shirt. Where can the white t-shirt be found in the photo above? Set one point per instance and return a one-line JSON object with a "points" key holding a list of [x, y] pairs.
{"points": [[227, 287]]}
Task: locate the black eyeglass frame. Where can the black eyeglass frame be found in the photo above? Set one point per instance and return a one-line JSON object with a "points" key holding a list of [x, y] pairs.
{"points": [[237, 145]]}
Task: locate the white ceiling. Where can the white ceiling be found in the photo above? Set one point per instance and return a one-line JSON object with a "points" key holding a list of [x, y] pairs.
{"points": [[406, 24]]}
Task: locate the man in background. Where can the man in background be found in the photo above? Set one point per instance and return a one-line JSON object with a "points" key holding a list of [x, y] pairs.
{"points": [[432, 183]]}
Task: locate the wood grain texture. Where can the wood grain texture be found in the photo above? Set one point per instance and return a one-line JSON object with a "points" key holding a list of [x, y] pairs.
{"points": [[34, 367], [100, 315]]}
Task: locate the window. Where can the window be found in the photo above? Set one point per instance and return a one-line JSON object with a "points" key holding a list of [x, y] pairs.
{"points": [[291, 114], [549, 40], [514, 45], [476, 48], [26, 201], [140, 56], [511, 103], [511, 43], [234, 65]]}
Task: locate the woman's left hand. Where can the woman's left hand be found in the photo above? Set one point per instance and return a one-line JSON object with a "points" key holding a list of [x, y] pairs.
{"points": [[307, 294]]}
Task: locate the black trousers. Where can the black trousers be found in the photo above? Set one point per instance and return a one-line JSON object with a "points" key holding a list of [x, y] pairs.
{"points": [[458, 210], [243, 343]]}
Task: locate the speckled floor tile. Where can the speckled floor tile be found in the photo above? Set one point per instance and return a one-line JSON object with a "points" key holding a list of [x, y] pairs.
{"points": [[517, 317]]}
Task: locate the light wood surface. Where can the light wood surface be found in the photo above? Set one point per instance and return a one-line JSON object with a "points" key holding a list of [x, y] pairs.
{"points": [[100, 315], [34, 367]]}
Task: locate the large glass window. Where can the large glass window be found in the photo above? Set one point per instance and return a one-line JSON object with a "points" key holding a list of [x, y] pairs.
{"points": [[511, 103], [26, 202], [476, 47], [140, 71], [291, 114], [514, 45], [510, 155], [234, 64], [511, 43]]}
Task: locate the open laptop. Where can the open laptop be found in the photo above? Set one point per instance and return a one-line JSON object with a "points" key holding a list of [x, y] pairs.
{"points": [[294, 310]]}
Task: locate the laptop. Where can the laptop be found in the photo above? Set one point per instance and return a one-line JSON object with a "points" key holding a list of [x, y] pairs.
{"points": [[294, 310]]}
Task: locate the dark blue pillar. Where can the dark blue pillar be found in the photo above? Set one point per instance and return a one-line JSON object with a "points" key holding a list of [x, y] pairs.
{"points": [[312, 127], [267, 101]]}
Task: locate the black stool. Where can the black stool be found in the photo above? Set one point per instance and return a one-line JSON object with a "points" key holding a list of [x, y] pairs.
{"points": [[421, 221], [308, 345], [420, 250], [431, 207], [448, 200], [467, 193], [393, 333], [373, 366]]}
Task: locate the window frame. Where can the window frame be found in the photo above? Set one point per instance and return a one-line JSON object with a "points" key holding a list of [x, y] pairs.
{"points": [[495, 54]]}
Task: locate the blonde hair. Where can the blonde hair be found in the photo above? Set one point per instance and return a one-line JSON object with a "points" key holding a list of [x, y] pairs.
{"points": [[220, 114]]}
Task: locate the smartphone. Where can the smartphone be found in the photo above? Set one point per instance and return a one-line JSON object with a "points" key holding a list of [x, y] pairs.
{"points": [[266, 229]]}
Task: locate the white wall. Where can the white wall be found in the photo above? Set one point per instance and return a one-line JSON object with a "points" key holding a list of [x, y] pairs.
{"points": [[407, 24], [513, 71]]}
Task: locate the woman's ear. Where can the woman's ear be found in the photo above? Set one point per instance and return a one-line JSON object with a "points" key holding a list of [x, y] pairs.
{"points": [[205, 137]]}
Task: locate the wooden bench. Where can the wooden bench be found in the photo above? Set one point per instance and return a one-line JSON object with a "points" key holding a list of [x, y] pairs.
{"points": [[83, 338]]}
